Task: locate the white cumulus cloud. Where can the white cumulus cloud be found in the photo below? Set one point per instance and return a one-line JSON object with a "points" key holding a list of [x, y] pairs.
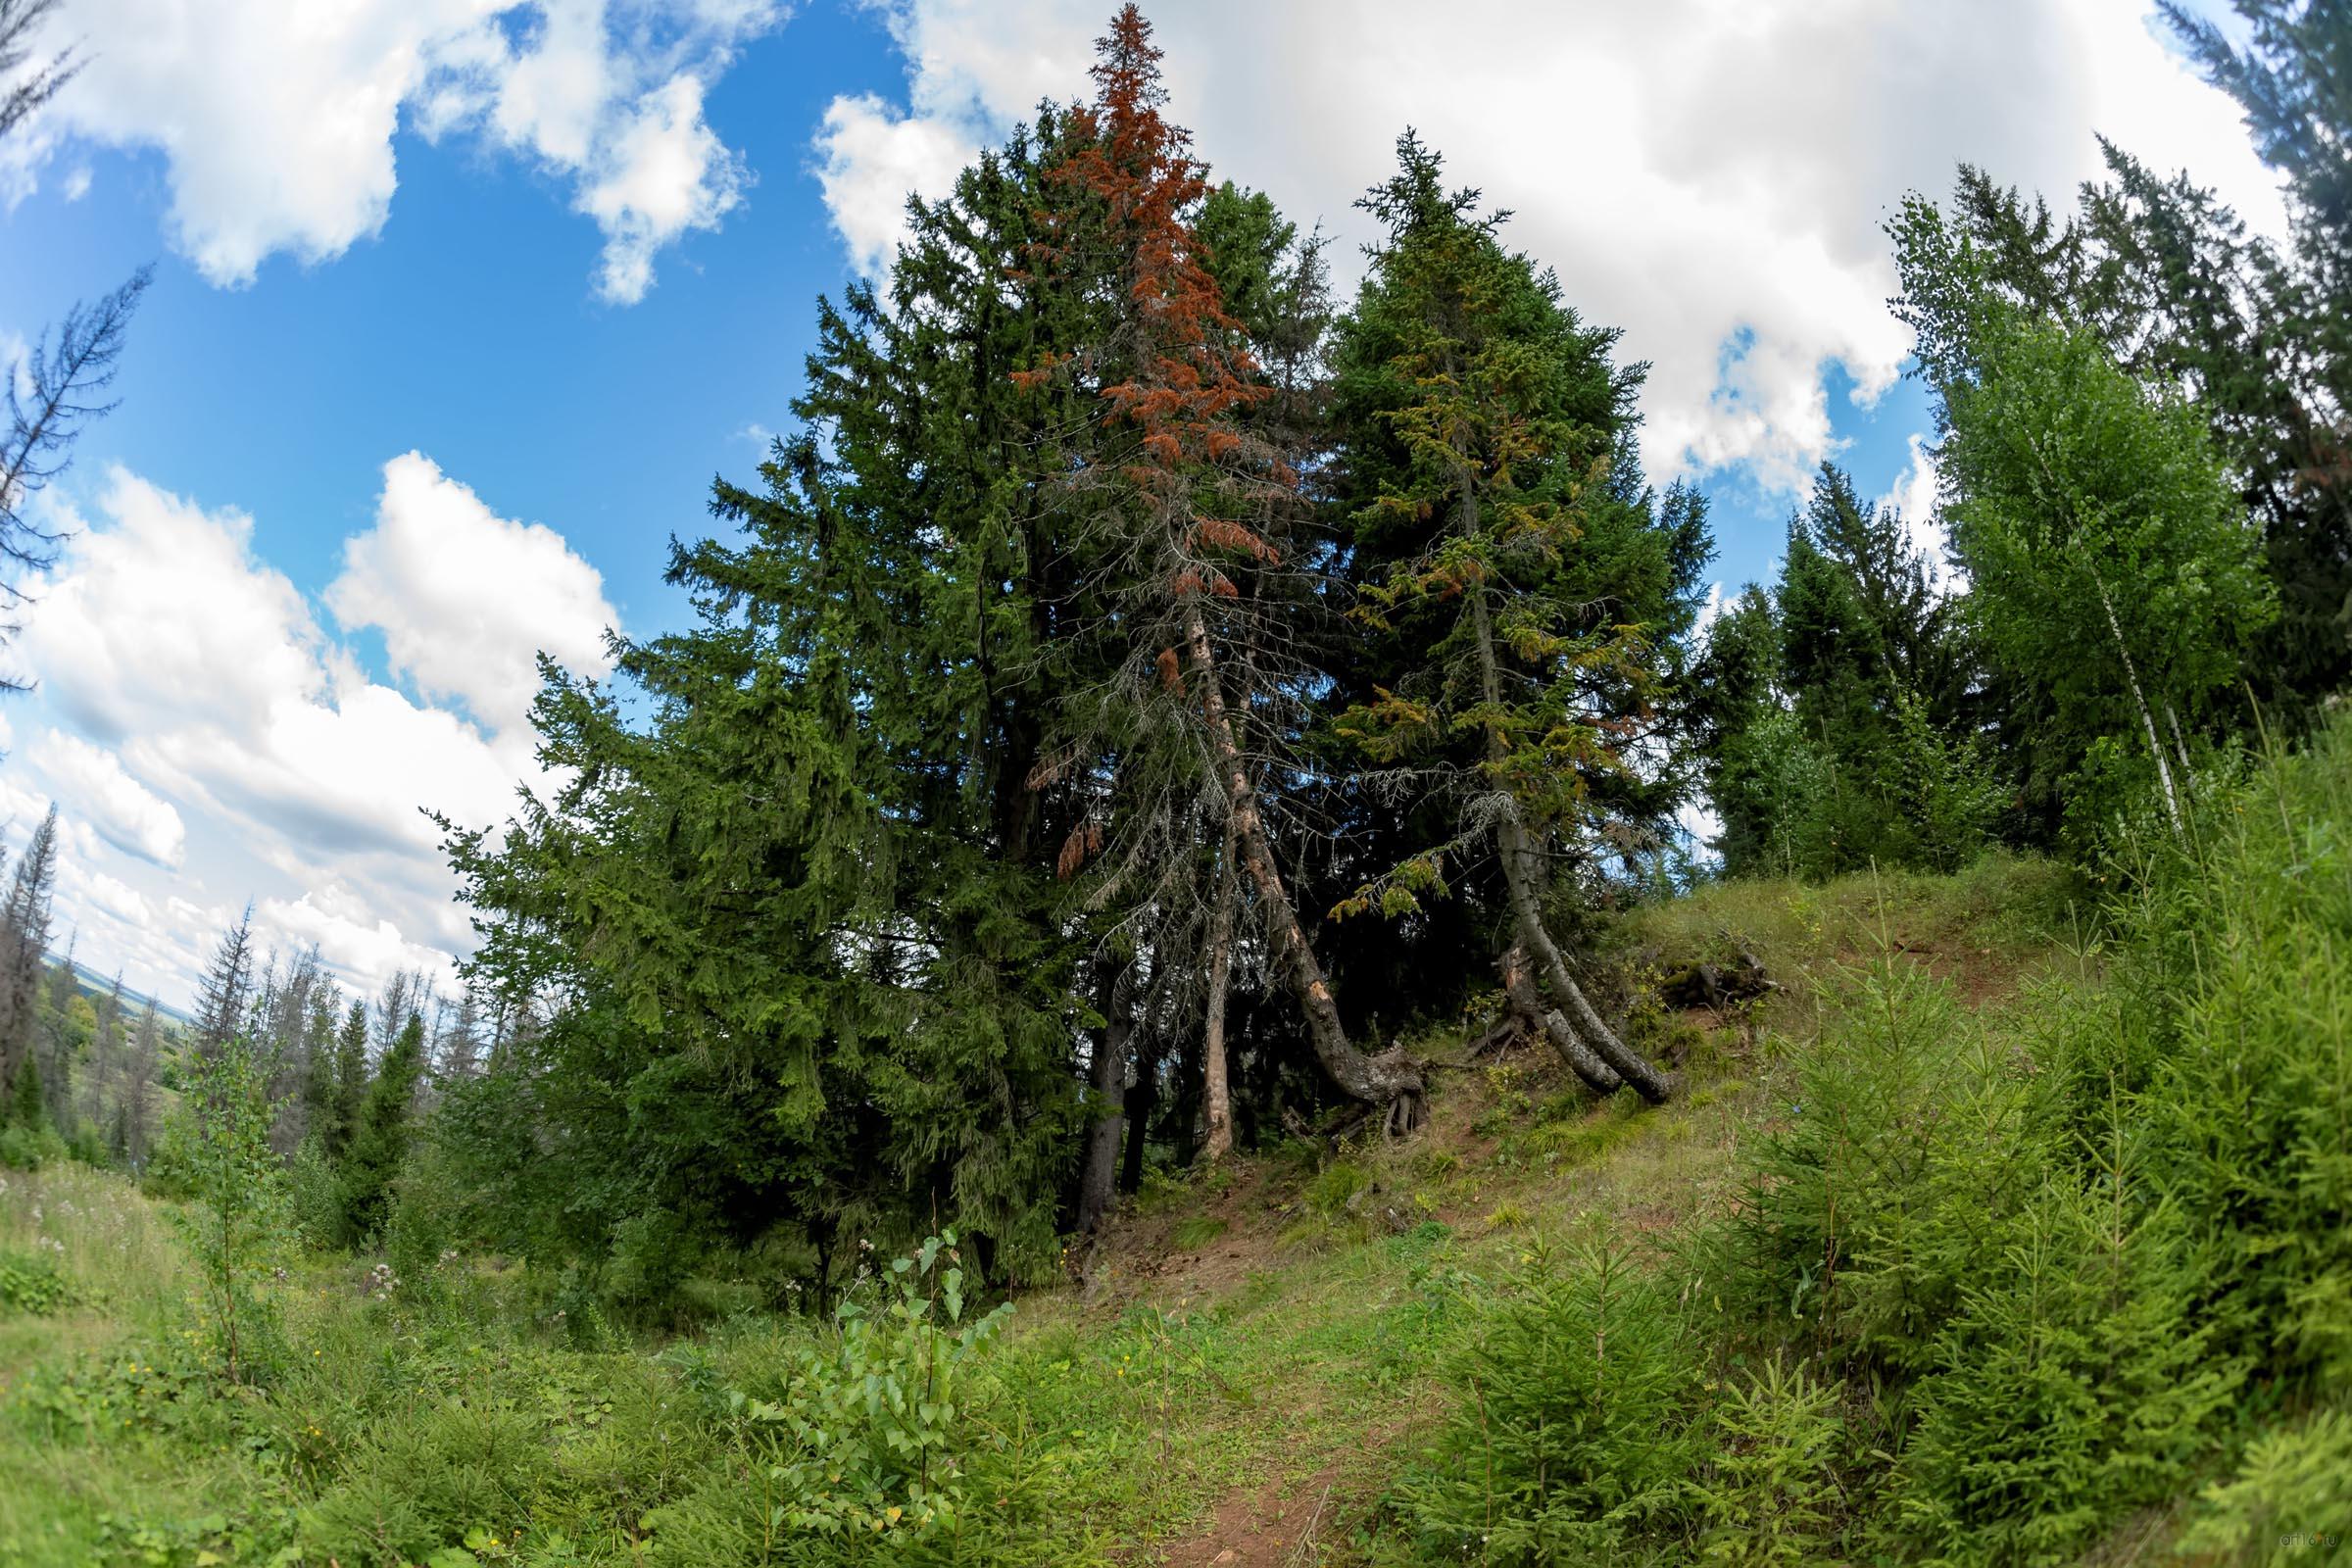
{"points": [[1711, 176], [1913, 496], [121, 811], [466, 599], [664, 172], [350, 941], [871, 156], [113, 897], [279, 123], [204, 724]]}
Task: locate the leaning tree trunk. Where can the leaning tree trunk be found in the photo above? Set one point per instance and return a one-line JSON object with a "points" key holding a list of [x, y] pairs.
{"points": [[1519, 989], [1217, 1093], [1527, 915], [1390, 1079], [1098, 1173], [2139, 696]]}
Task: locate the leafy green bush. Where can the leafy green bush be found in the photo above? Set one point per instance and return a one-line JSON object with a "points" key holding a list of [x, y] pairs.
{"points": [[315, 1196], [1772, 1493], [240, 1227], [2074, 1385], [1903, 1159], [1573, 1434], [863, 1434], [2293, 1491], [30, 1281]]}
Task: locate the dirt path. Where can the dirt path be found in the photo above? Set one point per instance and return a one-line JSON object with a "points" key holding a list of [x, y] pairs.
{"points": [[1277, 1525]]}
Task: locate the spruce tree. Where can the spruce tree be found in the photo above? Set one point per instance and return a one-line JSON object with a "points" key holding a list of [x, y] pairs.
{"points": [[106, 1056], [2293, 79], [2276, 334], [319, 1071], [382, 1136], [459, 1051], [138, 1078], [28, 1105], [281, 1016], [228, 988], [350, 1083], [61, 1037], [24, 945], [1491, 452], [1183, 499], [833, 966], [1851, 742]]}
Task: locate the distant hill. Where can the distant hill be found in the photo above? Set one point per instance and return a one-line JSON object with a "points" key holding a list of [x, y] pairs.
{"points": [[95, 985]]}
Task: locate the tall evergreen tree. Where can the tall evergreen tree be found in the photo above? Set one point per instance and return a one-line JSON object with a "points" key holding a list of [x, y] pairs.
{"points": [[64, 1033], [1850, 742], [386, 1130], [135, 1106], [106, 1057], [823, 875], [315, 1087], [28, 1105], [457, 1054], [24, 947], [1183, 500], [1491, 467], [228, 988], [897, 822], [350, 1080], [2294, 80]]}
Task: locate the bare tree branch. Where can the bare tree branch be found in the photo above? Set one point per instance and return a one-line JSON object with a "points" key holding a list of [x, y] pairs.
{"points": [[23, 94], [48, 400]]}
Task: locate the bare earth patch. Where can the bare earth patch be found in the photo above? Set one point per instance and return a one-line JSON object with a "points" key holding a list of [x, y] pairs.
{"points": [[1271, 1526]]}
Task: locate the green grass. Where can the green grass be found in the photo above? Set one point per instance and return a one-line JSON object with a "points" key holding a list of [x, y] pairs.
{"points": [[413, 1422], [1196, 1231], [1269, 1346]]}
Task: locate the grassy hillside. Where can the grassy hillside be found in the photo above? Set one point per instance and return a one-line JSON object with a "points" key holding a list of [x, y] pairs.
{"points": [[2010, 1229]]}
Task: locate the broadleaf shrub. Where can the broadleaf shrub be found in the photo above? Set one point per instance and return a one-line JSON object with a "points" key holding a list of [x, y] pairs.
{"points": [[863, 1436], [31, 1283]]}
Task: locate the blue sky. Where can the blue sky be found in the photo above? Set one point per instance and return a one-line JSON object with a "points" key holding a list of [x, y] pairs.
{"points": [[468, 329], [571, 264]]}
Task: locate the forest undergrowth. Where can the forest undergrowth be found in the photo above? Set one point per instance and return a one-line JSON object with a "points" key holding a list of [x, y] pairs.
{"points": [[2011, 1229]]}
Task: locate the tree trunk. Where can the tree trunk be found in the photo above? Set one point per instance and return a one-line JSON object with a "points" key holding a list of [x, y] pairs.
{"points": [[1142, 1099], [1216, 1096], [1098, 1173], [1390, 1079], [2172, 717], [2147, 715], [1527, 913], [1519, 987]]}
